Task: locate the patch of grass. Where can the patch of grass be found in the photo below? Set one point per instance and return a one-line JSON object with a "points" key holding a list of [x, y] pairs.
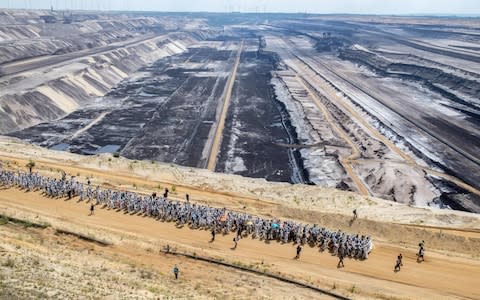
{"points": [[45, 224], [154, 290], [146, 274], [24, 223], [10, 263], [370, 202], [36, 261], [353, 289], [296, 200], [27, 224], [3, 220]]}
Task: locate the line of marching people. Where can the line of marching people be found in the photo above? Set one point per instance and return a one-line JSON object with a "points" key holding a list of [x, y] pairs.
{"points": [[197, 216]]}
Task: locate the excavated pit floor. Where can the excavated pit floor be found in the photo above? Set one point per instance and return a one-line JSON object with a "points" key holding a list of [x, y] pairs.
{"points": [[166, 112]]}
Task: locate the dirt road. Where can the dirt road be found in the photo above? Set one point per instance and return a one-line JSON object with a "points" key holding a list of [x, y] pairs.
{"points": [[306, 69], [355, 154], [31, 64], [220, 124], [441, 276]]}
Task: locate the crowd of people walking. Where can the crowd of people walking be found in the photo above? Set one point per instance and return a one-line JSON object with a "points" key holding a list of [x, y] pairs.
{"points": [[197, 216]]}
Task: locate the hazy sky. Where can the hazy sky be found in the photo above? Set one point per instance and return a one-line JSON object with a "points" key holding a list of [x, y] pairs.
{"points": [[311, 6]]}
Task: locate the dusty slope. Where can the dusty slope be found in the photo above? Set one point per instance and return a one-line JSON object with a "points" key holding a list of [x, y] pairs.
{"points": [[451, 268], [441, 276], [50, 92], [36, 263], [48, 70]]}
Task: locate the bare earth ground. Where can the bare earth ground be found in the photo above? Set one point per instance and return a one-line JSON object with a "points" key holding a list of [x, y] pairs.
{"points": [[132, 267]]}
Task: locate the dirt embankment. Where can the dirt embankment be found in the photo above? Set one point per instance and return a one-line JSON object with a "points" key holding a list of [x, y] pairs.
{"points": [[48, 93], [49, 69], [41, 263]]}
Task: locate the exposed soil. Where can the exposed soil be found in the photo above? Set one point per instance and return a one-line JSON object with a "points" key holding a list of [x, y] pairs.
{"points": [[67, 265]]}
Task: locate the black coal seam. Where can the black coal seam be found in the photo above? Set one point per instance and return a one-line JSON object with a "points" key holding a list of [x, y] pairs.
{"points": [[292, 139], [286, 123], [413, 78]]}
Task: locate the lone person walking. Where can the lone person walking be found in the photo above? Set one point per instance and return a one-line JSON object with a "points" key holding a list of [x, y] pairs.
{"points": [[355, 215], [176, 271], [213, 235], [299, 250], [92, 208], [399, 263], [235, 239]]}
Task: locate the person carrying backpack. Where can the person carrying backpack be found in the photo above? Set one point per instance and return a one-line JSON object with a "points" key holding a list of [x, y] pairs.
{"points": [[176, 271]]}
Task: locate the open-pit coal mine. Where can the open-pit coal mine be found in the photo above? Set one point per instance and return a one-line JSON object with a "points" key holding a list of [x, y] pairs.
{"points": [[388, 107]]}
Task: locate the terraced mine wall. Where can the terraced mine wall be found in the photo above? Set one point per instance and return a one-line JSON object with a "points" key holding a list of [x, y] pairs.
{"points": [[79, 84], [23, 34]]}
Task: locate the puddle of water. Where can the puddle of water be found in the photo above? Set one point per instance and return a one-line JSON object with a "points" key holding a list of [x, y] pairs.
{"points": [[60, 147], [108, 149]]}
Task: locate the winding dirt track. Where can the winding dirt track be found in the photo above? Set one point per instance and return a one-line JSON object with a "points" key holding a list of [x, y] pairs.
{"points": [[345, 161], [409, 160], [217, 140], [311, 76]]}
